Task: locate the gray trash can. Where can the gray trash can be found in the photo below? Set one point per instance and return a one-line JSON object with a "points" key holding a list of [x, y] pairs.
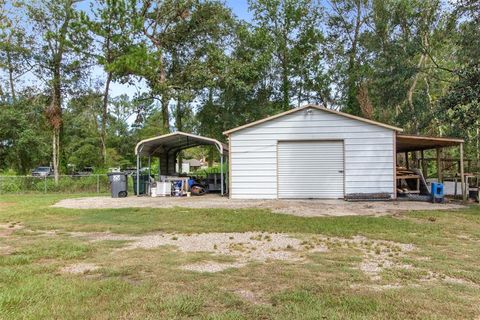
{"points": [[119, 184]]}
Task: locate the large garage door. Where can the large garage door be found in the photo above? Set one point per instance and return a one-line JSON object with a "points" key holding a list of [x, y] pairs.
{"points": [[310, 169]]}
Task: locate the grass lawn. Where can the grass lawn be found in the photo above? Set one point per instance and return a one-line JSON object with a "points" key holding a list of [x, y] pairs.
{"points": [[438, 279]]}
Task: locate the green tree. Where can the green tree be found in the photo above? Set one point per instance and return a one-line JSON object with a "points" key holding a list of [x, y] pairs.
{"points": [[112, 33], [346, 21], [57, 55], [173, 37], [14, 45], [80, 132], [24, 142], [295, 43], [241, 94], [460, 106]]}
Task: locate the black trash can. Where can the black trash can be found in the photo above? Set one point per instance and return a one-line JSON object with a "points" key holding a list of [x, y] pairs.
{"points": [[144, 181], [119, 184]]}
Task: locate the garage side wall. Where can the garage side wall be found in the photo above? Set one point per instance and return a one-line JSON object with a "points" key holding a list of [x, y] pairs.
{"points": [[369, 153]]}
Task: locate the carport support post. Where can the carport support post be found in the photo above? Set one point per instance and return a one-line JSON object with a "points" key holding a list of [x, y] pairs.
{"points": [[462, 175], [424, 165], [138, 175], [159, 169], [149, 170], [439, 165], [221, 173]]}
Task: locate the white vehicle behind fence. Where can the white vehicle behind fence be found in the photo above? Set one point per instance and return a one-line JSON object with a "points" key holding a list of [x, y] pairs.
{"points": [[42, 172]]}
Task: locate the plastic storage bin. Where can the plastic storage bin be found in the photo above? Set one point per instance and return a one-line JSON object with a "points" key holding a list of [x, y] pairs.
{"points": [[437, 192]]}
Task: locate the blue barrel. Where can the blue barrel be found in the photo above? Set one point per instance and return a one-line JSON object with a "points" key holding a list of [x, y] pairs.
{"points": [[437, 192]]}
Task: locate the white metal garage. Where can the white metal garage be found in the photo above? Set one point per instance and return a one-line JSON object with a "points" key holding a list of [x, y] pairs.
{"points": [[310, 169], [312, 152]]}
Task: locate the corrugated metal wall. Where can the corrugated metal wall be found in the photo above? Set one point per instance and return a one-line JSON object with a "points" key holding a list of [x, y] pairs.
{"points": [[368, 153]]}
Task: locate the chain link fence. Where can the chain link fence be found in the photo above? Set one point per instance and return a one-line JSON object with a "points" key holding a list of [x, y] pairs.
{"points": [[95, 183]]}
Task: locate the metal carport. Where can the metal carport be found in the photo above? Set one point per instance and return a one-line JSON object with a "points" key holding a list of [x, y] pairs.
{"points": [[412, 143], [167, 147]]}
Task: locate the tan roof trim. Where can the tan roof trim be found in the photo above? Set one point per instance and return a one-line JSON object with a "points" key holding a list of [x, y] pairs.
{"points": [[441, 139], [228, 132], [409, 143]]}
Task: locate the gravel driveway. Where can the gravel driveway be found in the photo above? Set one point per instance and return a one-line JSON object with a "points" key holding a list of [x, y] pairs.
{"points": [[304, 208]]}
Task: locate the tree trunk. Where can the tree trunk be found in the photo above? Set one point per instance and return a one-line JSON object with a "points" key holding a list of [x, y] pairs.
{"points": [[285, 85], [165, 112], [56, 154], [103, 133], [54, 112], [178, 124], [477, 153], [162, 86], [284, 54], [352, 63], [411, 90], [10, 75], [54, 115]]}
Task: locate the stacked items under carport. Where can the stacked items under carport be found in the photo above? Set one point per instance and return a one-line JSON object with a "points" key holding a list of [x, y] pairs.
{"points": [[411, 185]]}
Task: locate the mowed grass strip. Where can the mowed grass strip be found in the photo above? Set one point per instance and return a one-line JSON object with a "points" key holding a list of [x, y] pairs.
{"points": [[35, 213], [149, 284]]}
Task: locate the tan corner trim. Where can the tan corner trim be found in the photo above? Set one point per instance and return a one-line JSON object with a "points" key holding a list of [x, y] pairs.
{"points": [[343, 114], [276, 166], [229, 169], [395, 166]]}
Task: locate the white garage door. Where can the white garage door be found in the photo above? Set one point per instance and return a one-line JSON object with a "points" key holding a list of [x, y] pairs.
{"points": [[310, 169]]}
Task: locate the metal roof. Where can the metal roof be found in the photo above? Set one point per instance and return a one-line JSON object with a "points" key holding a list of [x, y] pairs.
{"points": [[343, 114], [175, 141], [407, 143], [193, 162]]}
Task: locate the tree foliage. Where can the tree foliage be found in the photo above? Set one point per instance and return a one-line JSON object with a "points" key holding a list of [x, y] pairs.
{"points": [[192, 65]]}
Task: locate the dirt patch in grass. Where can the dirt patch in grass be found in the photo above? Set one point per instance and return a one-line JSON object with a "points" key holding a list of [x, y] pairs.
{"points": [[260, 247], [303, 208], [435, 276], [244, 247], [6, 204], [212, 266], [250, 296], [378, 287], [6, 229], [80, 268], [377, 254], [6, 250]]}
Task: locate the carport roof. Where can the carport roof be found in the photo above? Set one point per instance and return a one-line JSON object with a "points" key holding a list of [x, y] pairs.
{"points": [[407, 143], [176, 141]]}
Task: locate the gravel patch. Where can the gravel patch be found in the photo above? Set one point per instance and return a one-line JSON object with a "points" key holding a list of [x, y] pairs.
{"points": [[261, 247], [379, 287], [378, 255], [212, 266], [244, 247], [435, 276], [250, 296], [80, 268], [303, 208]]}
